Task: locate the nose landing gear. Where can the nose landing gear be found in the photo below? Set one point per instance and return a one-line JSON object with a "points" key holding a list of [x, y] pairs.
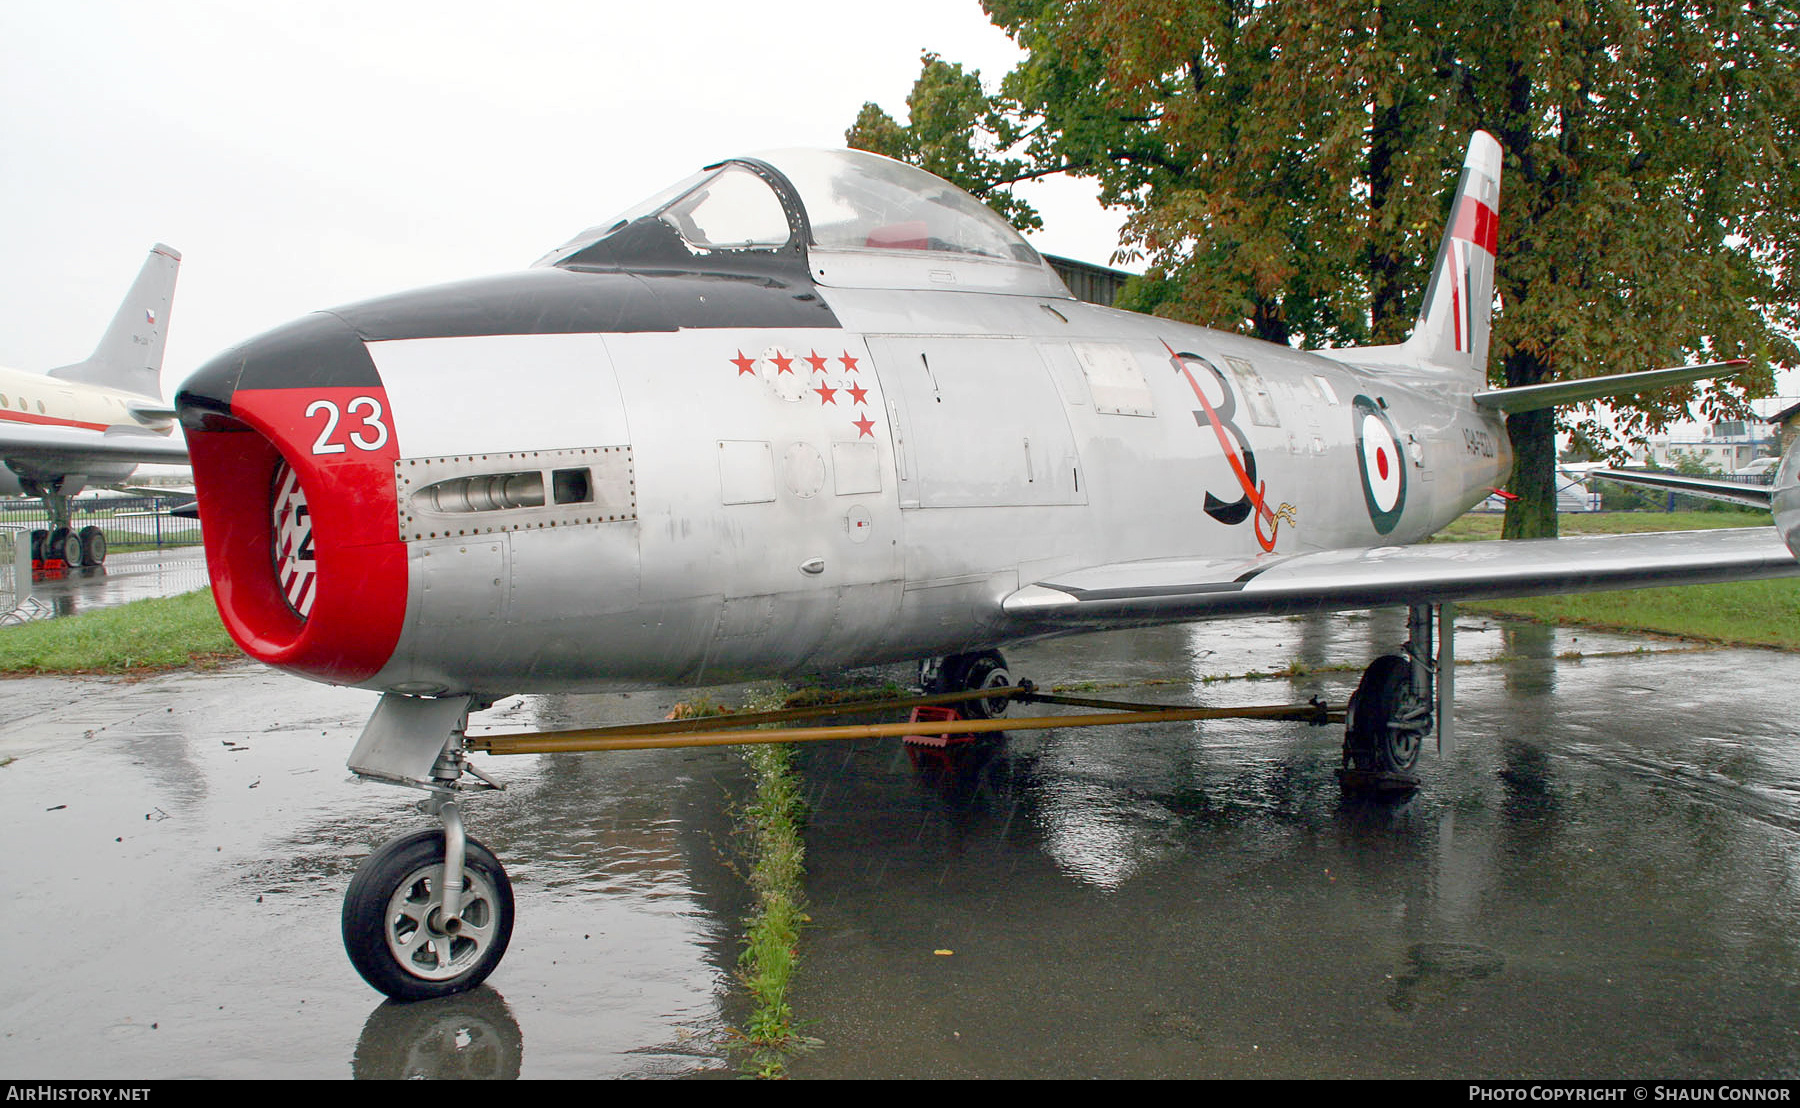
{"points": [[399, 932], [429, 913]]}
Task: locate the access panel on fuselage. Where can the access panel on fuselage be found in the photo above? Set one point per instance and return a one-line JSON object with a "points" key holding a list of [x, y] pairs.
{"points": [[978, 423]]}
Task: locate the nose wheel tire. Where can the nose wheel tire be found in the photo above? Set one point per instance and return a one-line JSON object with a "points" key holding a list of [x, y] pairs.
{"points": [[394, 927], [1386, 721]]}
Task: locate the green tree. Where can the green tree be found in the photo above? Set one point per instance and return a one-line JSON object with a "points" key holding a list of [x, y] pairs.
{"points": [[955, 130], [1285, 163]]}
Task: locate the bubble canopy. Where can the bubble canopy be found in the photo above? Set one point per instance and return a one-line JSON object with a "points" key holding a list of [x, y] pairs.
{"points": [[857, 201], [876, 215]]}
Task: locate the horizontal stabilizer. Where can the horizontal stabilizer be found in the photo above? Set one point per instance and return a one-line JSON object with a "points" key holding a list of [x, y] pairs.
{"points": [[1176, 590], [1527, 398], [1731, 492]]}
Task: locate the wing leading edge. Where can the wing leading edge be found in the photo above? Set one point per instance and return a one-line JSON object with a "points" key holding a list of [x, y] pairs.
{"points": [[1174, 590]]}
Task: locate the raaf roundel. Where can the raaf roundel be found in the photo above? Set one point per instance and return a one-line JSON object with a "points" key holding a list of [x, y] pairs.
{"points": [[1382, 463]]}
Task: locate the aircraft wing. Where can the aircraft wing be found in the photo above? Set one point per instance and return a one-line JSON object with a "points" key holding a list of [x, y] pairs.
{"points": [[1172, 590], [70, 447], [1750, 496]]}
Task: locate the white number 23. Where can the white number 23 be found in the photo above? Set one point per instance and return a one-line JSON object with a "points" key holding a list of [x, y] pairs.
{"points": [[372, 434]]}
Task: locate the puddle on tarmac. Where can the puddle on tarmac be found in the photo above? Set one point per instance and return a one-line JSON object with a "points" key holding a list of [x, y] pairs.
{"points": [[131, 575], [1602, 878]]}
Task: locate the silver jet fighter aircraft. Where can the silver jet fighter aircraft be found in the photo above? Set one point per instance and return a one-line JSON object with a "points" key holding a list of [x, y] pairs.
{"points": [[820, 409]]}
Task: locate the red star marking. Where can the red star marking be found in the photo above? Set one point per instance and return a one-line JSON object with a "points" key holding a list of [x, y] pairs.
{"points": [[865, 425], [782, 364], [827, 395], [745, 365], [857, 395], [849, 362], [817, 361]]}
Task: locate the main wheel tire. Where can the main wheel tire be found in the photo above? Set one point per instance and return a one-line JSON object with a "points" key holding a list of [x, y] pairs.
{"points": [[40, 538], [65, 544], [985, 670], [393, 914], [1383, 696], [93, 546]]}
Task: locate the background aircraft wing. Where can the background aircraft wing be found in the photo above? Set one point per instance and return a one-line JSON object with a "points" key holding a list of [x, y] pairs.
{"points": [[69, 447], [1529, 398], [1172, 590], [1751, 496]]}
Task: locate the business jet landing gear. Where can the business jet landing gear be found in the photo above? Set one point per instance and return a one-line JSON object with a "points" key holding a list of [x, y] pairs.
{"points": [[60, 541], [430, 913], [57, 544], [93, 546], [1397, 699], [985, 669]]}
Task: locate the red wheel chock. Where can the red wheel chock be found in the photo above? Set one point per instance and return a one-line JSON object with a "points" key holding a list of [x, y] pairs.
{"points": [[935, 715]]}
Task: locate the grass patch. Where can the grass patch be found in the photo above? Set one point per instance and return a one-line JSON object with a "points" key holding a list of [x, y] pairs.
{"points": [[1486, 525], [772, 822], [144, 636], [1741, 613]]}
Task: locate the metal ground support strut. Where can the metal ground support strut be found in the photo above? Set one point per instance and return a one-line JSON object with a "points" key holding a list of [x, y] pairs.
{"points": [[1446, 684], [1433, 670]]}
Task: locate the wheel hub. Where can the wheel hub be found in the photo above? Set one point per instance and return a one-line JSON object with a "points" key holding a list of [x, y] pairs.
{"points": [[419, 937]]}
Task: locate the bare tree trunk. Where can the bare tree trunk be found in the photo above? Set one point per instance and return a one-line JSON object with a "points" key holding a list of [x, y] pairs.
{"points": [[1387, 287], [1533, 434]]}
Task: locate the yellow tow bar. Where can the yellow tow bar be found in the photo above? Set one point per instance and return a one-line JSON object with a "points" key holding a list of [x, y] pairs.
{"points": [[731, 730]]}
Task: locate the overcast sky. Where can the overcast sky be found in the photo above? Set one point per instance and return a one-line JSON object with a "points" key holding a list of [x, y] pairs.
{"points": [[304, 155], [307, 154]]}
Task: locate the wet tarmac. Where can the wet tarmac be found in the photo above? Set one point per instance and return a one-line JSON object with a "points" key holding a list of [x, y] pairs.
{"points": [[128, 576], [1601, 879]]}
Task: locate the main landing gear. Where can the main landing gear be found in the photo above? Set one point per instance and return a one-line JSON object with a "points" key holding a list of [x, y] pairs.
{"points": [[86, 547], [61, 542], [985, 669], [1396, 701]]}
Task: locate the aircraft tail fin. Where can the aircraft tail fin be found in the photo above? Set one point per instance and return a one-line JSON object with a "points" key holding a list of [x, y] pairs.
{"points": [[130, 354], [1452, 331]]}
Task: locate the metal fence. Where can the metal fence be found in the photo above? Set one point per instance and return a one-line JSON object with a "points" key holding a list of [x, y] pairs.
{"points": [[17, 605], [130, 522]]}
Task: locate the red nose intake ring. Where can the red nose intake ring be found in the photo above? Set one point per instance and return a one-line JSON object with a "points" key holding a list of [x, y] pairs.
{"points": [[293, 448]]}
